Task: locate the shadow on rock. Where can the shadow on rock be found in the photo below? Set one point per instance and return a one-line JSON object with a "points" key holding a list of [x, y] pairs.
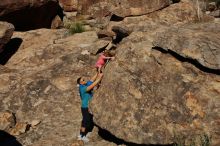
{"points": [[194, 62], [37, 15], [108, 136], [9, 50], [8, 140]]}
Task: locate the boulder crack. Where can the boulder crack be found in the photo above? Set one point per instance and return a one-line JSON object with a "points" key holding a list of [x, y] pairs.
{"points": [[188, 60]]}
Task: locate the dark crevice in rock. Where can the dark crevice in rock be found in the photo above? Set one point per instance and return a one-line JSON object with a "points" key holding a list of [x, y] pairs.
{"points": [[60, 12], [176, 1], [188, 60], [108, 136], [120, 34], [118, 39], [9, 50], [101, 50], [107, 48], [14, 119], [30, 18], [116, 18], [7, 139]]}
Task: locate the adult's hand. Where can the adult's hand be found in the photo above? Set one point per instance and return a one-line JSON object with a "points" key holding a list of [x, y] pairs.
{"points": [[100, 75]]}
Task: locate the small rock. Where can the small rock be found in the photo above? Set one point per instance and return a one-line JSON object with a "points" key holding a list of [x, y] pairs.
{"points": [[35, 123], [85, 52], [215, 13], [105, 33], [7, 120], [70, 15], [56, 23], [78, 143], [6, 31], [87, 28], [100, 44], [19, 129]]}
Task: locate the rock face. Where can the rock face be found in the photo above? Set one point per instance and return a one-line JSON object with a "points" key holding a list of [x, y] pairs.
{"points": [[199, 42], [215, 13], [122, 8], [39, 83], [26, 15], [148, 94], [69, 5], [156, 97], [9, 124], [175, 15], [7, 120], [179, 13], [132, 8], [6, 31]]}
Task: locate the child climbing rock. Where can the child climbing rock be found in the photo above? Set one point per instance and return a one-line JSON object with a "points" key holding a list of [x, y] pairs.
{"points": [[104, 56]]}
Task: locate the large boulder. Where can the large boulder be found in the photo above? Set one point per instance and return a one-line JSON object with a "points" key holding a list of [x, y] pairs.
{"points": [[69, 5], [176, 14], [122, 8], [180, 13], [6, 31], [152, 97], [141, 7], [38, 83], [147, 96], [199, 42], [26, 15]]}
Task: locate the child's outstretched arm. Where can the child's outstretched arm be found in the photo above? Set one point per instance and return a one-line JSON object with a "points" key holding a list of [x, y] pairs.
{"points": [[108, 57]]}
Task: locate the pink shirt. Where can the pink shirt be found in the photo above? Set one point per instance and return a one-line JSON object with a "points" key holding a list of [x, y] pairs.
{"points": [[101, 60]]}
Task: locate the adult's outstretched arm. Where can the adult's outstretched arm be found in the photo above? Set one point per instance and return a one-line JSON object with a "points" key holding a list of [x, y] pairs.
{"points": [[98, 79], [94, 77]]}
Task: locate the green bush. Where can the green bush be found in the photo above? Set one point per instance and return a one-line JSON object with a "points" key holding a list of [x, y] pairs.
{"points": [[76, 27]]}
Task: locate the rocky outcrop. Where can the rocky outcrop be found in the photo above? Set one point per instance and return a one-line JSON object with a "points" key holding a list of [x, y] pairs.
{"points": [[9, 123], [39, 83], [198, 42], [180, 13], [7, 120], [6, 31], [26, 15], [132, 8], [176, 14], [69, 5], [147, 95], [56, 23], [123, 8], [156, 97], [212, 8], [215, 13]]}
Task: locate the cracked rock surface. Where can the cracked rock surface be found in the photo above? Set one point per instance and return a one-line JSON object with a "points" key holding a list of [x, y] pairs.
{"points": [[196, 41], [147, 95]]}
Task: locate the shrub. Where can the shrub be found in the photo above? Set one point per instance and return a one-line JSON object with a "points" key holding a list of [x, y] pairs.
{"points": [[76, 27]]}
